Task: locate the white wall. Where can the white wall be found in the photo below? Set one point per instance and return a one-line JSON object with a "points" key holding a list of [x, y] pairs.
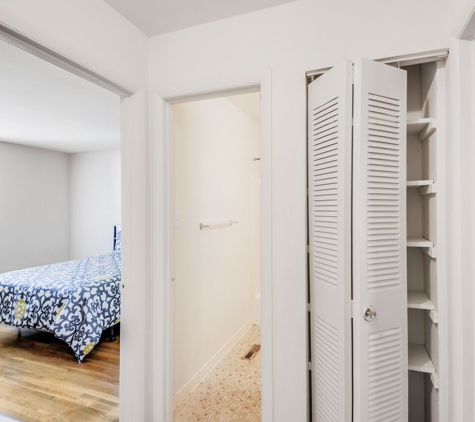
{"points": [[291, 39], [95, 202], [56, 206], [215, 144], [90, 32], [34, 207]]}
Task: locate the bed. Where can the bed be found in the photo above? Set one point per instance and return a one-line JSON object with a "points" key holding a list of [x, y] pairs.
{"points": [[75, 300]]}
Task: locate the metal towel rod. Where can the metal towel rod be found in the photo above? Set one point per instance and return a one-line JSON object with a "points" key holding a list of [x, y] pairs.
{"points": [[224, 224]]}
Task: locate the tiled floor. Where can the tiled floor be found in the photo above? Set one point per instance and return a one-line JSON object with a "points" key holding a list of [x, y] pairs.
{"points": [[231, 392]]}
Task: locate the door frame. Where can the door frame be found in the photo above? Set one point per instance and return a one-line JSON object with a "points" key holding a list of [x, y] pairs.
{"points": [[439, 55], [135, 392], [162, 207], [24, 42]]}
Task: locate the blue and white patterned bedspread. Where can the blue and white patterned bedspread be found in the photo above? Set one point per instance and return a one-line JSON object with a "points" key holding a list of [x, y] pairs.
{"points": [[76, 300]]}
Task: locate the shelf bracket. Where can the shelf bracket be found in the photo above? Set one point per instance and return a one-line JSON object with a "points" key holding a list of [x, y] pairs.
{"points": [[427, 190], [435, 380], [434, 316], [432, 252], [428, 130]]}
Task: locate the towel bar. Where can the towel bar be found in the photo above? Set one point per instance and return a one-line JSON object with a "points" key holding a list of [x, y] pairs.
{"points": [[224, 224]]}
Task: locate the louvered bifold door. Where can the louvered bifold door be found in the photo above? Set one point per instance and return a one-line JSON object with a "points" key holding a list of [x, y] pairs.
{"points": [[329, 182], [379, 244]]}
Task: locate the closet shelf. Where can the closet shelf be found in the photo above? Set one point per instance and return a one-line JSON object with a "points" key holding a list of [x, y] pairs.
{"points": [[422, 128], [426, 245], [419, 359], [425, 187], [418, 183], [417, 299], [419, 242]]}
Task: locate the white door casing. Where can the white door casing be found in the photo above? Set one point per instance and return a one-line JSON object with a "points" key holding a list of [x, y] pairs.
{"points": [[380, 377], [161, 124], [135, 320], [329, 182]]}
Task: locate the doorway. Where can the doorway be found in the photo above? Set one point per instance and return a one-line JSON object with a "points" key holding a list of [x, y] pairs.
{"points": [[163, 216], [60, 166], [216, 235]]}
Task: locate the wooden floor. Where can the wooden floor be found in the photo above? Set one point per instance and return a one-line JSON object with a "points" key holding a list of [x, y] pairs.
{"points": [[41, 380]]}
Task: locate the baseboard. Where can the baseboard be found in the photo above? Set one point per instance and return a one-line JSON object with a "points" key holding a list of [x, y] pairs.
{"points": [[201, 375], [6, 419]]}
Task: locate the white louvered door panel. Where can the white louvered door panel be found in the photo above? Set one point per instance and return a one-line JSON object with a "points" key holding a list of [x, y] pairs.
{"points": [[329, 172], [379, 243]]}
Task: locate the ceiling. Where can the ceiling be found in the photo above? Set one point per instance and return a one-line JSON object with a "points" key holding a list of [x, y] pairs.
{"points": [[249, 104], [44, 106], [155, 17]]}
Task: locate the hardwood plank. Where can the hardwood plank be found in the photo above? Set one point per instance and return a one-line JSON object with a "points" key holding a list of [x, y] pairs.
{"points": [[41, 381]]}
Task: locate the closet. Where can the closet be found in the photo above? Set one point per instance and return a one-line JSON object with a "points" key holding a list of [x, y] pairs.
{"points": [[425, 231], [376, 216]]}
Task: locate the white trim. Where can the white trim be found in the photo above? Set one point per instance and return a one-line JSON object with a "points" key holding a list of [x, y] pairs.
{"points": [[416, 58], [20, 40], [136, 335], [210, 89], [215, 94], [404, 60], [457, 314], [162, 223], [441, 315], [203, 373]]}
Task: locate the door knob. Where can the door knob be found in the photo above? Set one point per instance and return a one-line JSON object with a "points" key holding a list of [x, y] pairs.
{"points": [[369, 313]]}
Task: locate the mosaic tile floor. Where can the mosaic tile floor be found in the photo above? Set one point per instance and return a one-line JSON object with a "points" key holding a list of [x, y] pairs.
{"points": [[231, 392]]}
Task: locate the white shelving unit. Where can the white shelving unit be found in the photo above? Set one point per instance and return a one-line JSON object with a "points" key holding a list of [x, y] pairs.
{"points": [[425, 214]]}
